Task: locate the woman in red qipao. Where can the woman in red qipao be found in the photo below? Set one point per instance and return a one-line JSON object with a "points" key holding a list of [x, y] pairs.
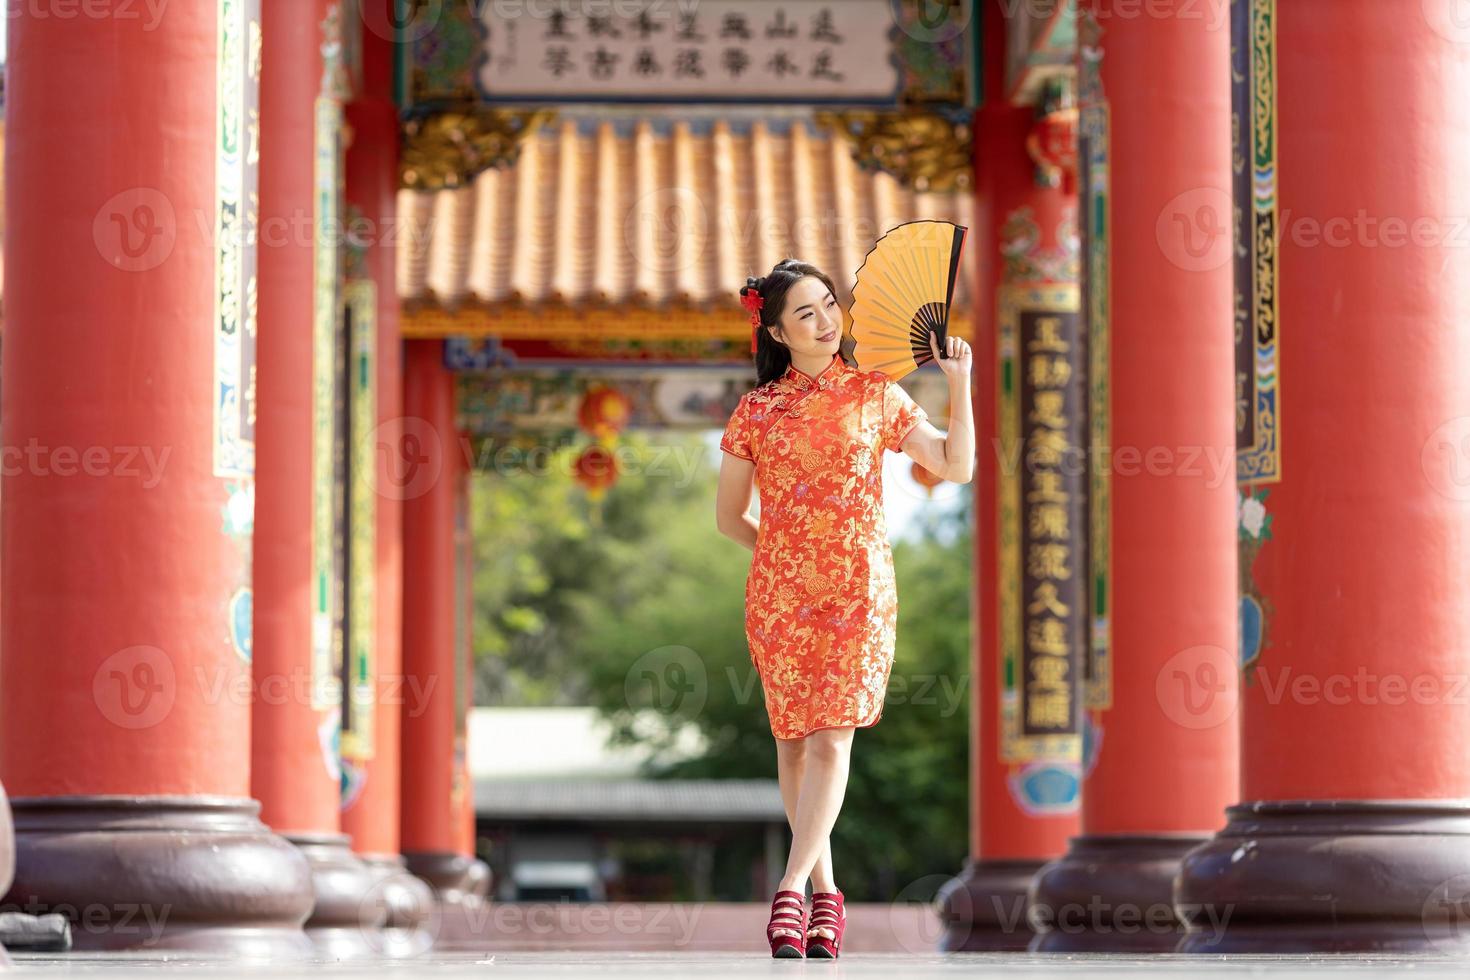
{"points": [[820, 601]]}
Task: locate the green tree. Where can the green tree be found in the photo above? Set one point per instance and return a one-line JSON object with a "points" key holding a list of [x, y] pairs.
{"points": [[642, 616]]}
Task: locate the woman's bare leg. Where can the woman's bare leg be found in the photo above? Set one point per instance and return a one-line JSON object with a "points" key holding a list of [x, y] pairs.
{"points": [[822, 787], [791, 767]]}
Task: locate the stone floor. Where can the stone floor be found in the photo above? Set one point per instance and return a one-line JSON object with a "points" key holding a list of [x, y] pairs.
{"points": [[714, 966]]}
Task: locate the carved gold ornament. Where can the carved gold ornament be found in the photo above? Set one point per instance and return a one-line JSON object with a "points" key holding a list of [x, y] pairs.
{"points": [[923, 149]]}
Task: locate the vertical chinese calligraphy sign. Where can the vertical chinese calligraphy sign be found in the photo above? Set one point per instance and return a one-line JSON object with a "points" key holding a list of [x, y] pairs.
{"points": [[327, 175], [1043, 607], [1253, 86], [360, 303], [1257, 287], [1093, 162], [237, 157]]}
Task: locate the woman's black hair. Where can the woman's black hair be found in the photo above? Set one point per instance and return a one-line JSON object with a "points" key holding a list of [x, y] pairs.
{"points": [[772, 357]]}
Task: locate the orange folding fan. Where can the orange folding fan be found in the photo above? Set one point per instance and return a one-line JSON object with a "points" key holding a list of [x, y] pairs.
{"points": [[903, 293]]}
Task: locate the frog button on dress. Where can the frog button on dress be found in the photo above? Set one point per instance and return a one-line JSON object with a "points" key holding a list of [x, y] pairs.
{"points": [[820, 601]]}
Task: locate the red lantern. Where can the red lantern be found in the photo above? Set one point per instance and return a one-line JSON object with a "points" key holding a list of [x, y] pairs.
{"points": [[603, 412], [1052, 144], [596, 469], [925, 478]]}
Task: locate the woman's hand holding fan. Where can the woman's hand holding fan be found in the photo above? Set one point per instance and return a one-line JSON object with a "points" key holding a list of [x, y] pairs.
{"points": [[955, 360]]}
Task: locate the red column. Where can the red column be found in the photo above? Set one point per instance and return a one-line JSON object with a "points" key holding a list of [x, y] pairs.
{"points": [[295, 766], [372, 783], [432, 658], [1024, 792], [1166, 758], [1353, 833], [128, 487]]}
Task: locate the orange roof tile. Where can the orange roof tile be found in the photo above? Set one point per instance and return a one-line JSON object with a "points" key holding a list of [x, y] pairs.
{"points": [[646, 214]]}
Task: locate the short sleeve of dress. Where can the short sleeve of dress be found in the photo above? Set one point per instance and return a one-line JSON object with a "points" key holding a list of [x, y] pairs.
{"points": [[737, 437], [900, 414]]}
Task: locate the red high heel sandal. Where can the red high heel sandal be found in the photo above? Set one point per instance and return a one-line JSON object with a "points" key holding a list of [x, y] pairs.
{"points": [[787, 929], [827, 913]]}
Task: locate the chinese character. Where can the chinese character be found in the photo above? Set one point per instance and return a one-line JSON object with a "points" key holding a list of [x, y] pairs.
{"points": [[687, 63], [1048, 600], [1047, 336], [1049, 447], [822, 29], [557, 27], [1049, 711], [688, 29], [646, 27], [601, 25], [1047, 409], [603, 62], [1048, 561], [645, 64], [1047, 488], [1050, 521], [780, 28], [735, 25], [781, 64], [1050, 372], [558, 61], [822, 67], [1047, 636], [734, 61]]}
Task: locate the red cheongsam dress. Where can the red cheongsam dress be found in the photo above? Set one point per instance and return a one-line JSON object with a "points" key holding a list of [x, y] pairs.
{"points": [[820, 601]]}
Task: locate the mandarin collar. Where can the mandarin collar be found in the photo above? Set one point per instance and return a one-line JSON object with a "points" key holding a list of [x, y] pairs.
{"points": [[800, 379]]}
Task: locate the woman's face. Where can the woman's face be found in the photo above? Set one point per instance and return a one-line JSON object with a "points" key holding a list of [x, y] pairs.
{"points": [[812, 320]]}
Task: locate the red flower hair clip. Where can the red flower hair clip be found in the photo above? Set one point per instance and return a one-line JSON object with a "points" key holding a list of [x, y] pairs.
{"points": [[753, 301]]}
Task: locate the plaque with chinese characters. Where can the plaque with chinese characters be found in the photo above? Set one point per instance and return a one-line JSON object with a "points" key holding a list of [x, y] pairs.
{"points": [[718, 50]]}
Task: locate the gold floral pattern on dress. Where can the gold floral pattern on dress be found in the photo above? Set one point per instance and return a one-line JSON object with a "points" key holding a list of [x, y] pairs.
{"points": [[821, 606]]}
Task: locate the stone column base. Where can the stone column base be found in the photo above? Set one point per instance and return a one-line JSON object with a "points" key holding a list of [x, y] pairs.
{"points": [[196, 874], [345, 922], [460, 883], [1110, 893], [1333, 876], [984, 908], [412, 923]]}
